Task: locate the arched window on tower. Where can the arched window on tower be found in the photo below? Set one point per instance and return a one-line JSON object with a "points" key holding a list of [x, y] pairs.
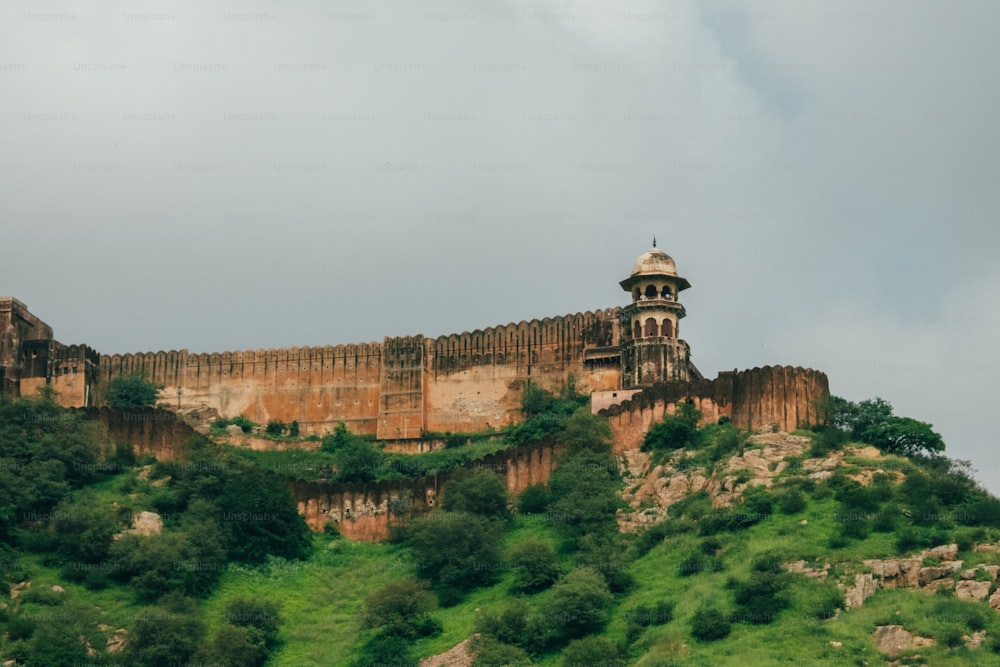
{"points": [[651, 328], [650, 291], [667, 329], [667, 294], [637, 333]]}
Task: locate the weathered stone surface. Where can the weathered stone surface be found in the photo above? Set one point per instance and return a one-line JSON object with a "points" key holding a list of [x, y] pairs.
{"points": [[944, 552], [864, 587], [457, 656], [992, 570], [58, 589], [974, 640], [972, 590], [986, 548], [147, 523], [931, 574], [234, 430], [934, 586], [891, 640], [995, 600], [896, 572], [799, 566], [117, 642]]}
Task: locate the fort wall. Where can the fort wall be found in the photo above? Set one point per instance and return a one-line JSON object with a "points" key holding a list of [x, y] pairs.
{"points": [[317, 386], [475, 379], [368, 511], [779, 395]]}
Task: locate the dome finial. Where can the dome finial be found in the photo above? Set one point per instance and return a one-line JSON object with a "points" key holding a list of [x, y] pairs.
{"points": [[654, 241]]}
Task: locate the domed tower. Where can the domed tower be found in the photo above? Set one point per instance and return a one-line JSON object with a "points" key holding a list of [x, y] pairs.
{"points": [[651, 349]]}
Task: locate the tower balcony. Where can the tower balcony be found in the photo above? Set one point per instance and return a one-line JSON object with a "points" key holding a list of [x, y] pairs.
{"points": [[657, 303]]}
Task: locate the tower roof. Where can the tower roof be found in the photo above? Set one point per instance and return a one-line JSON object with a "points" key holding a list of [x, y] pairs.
{"points": [[654, 262]]}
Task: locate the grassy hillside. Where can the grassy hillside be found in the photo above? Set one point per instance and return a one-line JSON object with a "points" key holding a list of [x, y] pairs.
{"points": [[544, 579]]}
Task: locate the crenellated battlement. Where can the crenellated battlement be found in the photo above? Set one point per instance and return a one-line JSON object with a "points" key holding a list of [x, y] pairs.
{"points": [[404, 386]]}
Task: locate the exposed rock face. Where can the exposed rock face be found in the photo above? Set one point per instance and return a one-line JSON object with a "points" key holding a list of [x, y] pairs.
{"points": [[146, 524], [864, 587], [972, 590], [457, 656], [652, 490], [897, 573], [891, 640]]}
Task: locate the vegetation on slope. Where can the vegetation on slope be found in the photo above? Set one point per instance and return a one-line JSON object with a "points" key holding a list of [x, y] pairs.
{"points": [[544, 578]]}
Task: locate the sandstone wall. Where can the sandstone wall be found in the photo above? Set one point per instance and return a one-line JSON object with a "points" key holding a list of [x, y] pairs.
{"points": [[366, 511], [396, 389], [318, 386], [74, 372], [779, 395], [156, 432], [474, 380]]}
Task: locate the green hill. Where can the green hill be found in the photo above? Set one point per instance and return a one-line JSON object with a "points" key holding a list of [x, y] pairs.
{"points": [[855, 544]]}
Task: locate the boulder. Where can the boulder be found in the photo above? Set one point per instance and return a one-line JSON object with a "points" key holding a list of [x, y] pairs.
{"points": [[233, 429], [891, 640], [864, 587], [147, 523], [986, 548], [972, 590], [995, 600], [931, 574], [943, 552]]}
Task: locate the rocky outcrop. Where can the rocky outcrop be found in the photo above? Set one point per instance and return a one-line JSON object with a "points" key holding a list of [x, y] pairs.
{"points": [[891, 640], [651, 489], [459, 655]]}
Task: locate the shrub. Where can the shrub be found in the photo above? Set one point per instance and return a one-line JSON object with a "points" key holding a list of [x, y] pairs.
{"points": [[535, 563], [479, 491], [131, 391], [579, 601], [709, 624], [165, 634], [492, 653], [592, 651], [293, 429], [792, 501], [761, 597], [514, 624], [275, 427], [676, 431], [261, 615], [402, 608], [533, 500], [457, 552]]}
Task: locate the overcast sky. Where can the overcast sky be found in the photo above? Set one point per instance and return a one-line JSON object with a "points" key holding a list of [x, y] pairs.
{"points": [[225, 176]]}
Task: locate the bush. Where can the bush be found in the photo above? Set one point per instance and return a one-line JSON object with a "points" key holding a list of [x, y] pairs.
{"points": [[709, 624], [402, 608], [676, 431], [533, 500], [492, 653], [761, 597], [643, 617], [592, 651], [792, 501], [514, 625], [131, 392], [385, 649], [260, 615], [535, 565], [275, 427], [579, 601], [457, 552], [166, 634], [479, 491]]}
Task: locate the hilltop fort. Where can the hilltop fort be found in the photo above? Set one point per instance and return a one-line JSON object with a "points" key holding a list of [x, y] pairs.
{"points": [[630, 359]]}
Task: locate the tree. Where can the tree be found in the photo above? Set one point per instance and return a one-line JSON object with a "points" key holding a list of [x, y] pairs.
{"points": [[260, 615], [586, 430], [456, 551], [131, 392], [479, 491], [872, 421], [579, 602], [491, 653], [233, 645], [358, 460]]}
